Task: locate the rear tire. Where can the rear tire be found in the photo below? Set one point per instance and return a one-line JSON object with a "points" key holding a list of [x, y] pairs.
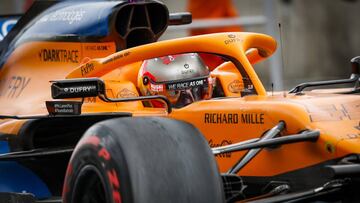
{"points": [[136, 160]]}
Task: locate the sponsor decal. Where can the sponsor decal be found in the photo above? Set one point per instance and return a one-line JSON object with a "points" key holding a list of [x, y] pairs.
{"points": [[186, 84], [13, 86], [80, 89], [157, 88], [187, 70], [64, 107], [236, 86], [225, 142], [59, 55], [252, 118], [90, 100], [227, 118], [125, 93], [168, 59], [116, 57], [68, 16], [97, 47], [353, 136], [86, 68], [234, 118], [332, 112], [232, 39]]}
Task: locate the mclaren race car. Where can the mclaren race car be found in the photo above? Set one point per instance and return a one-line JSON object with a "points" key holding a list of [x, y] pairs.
{"points": [[86, 117]]}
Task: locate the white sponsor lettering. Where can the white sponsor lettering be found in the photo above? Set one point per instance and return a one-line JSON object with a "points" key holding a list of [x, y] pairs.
{"points": [[80, 89], [69, 16], [63, 106]]}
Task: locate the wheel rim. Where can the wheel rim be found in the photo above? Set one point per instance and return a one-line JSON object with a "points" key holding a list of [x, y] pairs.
{"points": [[89, 186]]}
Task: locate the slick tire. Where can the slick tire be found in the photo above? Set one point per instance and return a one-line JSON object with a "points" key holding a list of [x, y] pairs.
{"points": [[137, 160]]}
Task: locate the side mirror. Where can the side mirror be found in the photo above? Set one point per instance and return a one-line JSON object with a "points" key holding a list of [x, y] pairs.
{"points": [[355, 70], [180, 18], [77, 88], [355, 65], [86, 87]]}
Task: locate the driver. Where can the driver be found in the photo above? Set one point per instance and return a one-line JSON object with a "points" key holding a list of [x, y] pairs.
{"points": [[182, 78]]}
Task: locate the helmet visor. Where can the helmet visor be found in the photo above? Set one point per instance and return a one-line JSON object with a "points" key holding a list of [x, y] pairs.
{"points": [[183, 92]]}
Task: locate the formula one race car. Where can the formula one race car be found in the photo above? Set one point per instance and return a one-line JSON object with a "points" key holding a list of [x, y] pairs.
{"points": [[93, 109]]}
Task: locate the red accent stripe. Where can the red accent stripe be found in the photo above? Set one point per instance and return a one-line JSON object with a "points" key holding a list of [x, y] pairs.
{"points": [[69, 171], [115, 185], [94, 140], [104, 154], [113, 178], [149, 75]]}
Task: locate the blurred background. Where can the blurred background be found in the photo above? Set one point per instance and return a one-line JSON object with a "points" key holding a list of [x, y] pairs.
{"points": [[318, 37]]}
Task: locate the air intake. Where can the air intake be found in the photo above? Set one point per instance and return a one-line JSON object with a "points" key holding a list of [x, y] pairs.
{"points": [[140, 23]]}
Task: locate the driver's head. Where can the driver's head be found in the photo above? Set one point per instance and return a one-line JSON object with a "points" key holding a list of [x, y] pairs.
{"points": [[182, 78]]}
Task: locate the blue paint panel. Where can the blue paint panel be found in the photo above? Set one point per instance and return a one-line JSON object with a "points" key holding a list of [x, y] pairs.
{"points": [[68, 18], [6, 23], [71, 18], [4, 147], [16, 178]]}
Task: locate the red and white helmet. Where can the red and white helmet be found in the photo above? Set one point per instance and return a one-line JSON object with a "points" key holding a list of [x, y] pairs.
{"points": [[182, 78]]}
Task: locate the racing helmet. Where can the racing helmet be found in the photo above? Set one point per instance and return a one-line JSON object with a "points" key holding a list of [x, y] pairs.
{"points": [[182, 78]]}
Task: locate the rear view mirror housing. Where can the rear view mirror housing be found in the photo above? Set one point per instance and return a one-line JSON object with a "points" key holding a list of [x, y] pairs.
{"points": [[87, 87], [77, 88]]}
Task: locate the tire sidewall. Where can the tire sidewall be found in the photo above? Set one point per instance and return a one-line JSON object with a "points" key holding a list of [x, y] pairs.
{"points": [[146, 160], [93, 151]]}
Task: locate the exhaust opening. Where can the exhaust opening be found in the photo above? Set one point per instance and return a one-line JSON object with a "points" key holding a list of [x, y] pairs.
{"points": [[159, 17], [138, 37]]}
